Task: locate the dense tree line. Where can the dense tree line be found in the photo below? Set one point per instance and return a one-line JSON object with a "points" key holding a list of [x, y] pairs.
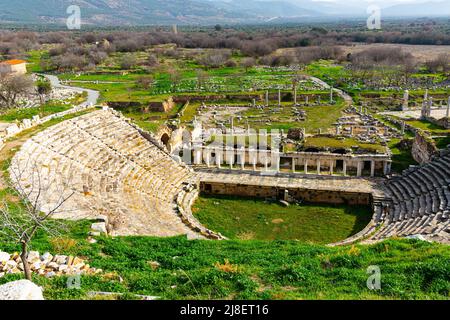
{"points": [[84, 50]]}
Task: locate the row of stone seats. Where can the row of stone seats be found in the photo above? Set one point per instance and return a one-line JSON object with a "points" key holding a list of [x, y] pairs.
{"points": [[111, 169], [418, 201]]}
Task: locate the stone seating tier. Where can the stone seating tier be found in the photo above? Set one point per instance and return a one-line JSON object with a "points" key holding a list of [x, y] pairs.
{"points": [[111, 169]]}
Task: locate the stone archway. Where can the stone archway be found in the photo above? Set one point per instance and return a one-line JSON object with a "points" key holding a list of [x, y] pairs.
{"points": [[165, 139], [164, 135]]}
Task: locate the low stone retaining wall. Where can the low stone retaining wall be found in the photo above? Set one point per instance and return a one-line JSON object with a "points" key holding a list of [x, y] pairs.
{"points": [[16, 128], [185, 200], [423, 148], [308, 195]]}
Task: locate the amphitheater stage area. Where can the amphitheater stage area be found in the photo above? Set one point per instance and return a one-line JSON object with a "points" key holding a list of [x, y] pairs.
{"points": [[111, 168], [319, 188]]}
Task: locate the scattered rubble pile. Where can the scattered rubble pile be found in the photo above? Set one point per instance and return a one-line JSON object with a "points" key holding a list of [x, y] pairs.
{"points": [[45, 265]]}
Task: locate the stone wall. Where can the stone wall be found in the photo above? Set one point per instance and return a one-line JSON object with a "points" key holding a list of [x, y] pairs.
{"points": [[423, 148], [308, 195], [157, 106], [444, 122], [164, 106], [16, 128], [259, 96]]}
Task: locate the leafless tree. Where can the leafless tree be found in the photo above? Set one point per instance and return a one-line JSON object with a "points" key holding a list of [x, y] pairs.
{"points": [[128, 61], [247, 63], [11, 88], [21, 222], [145, 82], [202, 78], [440, 63], [215, 59], [175, 77]]}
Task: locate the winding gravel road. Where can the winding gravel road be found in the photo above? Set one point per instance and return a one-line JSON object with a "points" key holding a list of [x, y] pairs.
{"points": [[92, 97]]}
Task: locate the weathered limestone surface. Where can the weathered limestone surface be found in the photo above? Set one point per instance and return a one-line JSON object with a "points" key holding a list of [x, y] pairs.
{"points": [[418, 203], [45, 265], [112, 170], [20, 290], [423, 149], [293, 181]]}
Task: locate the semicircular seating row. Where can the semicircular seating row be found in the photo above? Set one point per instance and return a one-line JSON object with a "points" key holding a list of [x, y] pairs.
{"points": [[110, 168], [419, 202]]}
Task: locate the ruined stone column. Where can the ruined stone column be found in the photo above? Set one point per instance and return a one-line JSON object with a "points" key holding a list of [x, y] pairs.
{"points": [[386, 168], [405, 101], [430, 105], [207, 159], [218, 160], [318, 167], [372, 168], [277, 163], [306, 166], [295, 95], [448, 108], [267, 98], [231, 158], [198, 155], [331, 95], [344, 167], [331, 167], [359, 169], [423, 114], [279, 97], [293, 165]]}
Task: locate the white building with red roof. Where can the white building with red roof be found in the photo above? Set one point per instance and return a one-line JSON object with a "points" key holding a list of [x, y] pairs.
{"points": [[13, 67]]}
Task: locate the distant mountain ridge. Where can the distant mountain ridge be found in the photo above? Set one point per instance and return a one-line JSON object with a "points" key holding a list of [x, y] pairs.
{"points": [[195, 12]]}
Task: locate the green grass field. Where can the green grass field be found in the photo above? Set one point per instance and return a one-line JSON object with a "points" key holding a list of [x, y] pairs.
{"points": [[428, 127], [250, 269], [46, 109], [321, 142], [251, 218]]}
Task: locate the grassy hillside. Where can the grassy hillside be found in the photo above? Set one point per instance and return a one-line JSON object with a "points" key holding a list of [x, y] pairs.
{"points": [[251, 269]]}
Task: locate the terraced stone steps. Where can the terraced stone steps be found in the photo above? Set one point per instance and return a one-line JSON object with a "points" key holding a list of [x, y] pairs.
{"points": [[112, 169]]}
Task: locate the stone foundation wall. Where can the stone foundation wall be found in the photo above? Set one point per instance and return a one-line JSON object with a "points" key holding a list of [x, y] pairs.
{"points": [[308, 195], [444, 122], [423, 148], [260, 97]]}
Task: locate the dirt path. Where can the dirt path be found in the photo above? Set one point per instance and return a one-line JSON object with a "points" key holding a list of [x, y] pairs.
{"points": [[344, 95]]}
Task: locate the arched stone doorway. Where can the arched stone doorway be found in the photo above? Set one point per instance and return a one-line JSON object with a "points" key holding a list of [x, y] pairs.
{"points": [[165, 140]]}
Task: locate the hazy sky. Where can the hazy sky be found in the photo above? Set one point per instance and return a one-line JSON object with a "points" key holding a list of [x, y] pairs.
{"points": [[379, 2]]}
